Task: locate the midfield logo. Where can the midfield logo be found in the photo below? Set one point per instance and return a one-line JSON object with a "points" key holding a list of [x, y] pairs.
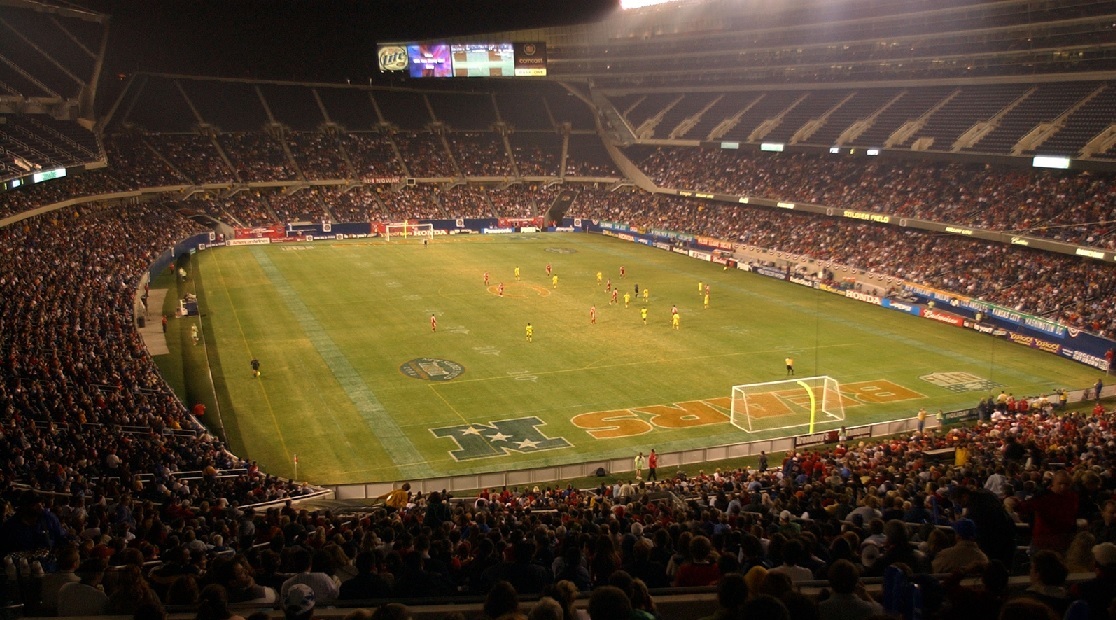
{"points": [[497, 438], [960, 381]]}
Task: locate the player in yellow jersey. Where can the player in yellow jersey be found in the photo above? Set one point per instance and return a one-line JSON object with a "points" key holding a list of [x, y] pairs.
{"points": [[599, 276], [707, 301], [627, 299], [643, 315], [517, 274], [646, 294], [554, 280], [701, 287], [530, 332], [674, 320]]}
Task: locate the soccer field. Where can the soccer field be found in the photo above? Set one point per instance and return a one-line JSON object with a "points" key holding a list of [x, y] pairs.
{"points": [[356, 383]]}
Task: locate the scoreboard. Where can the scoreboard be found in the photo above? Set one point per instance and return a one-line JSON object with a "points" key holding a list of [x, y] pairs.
{"points": [[441, 60]]}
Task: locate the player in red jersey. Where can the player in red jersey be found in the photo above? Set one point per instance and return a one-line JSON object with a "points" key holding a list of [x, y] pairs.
{"points": [[500, 289], [593, 314], [433, 323], [621, 271], [614, 292], [486, 278], [548, 269], [608, 286]]}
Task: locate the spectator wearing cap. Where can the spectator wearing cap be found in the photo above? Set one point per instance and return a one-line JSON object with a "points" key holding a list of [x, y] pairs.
{"points": [[965, 555], [1100, 591], [787, 526], [849, 600], [298, 602], [995, 527]]}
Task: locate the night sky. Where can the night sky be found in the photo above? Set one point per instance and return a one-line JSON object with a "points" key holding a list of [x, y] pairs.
{"points": [[329, 40]]}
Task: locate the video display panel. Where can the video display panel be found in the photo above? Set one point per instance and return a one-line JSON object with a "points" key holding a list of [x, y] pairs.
{"points": [[483, 60], [530, 59], [432, 60], [441, 60]]}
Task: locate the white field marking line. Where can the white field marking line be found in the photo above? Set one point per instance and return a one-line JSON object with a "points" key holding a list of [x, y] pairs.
{"points": [[244, 339], [639, 363]]}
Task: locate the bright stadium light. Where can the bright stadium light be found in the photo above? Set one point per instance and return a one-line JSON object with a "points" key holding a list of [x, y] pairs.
{"points": [[1048, 161], [639, 4]]}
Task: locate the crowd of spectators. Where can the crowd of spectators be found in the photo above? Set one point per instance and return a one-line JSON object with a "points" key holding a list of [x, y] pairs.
{"points": [[1066, 206], [425, 156], [318, 154], [87, 421], [1021, 493], [257, 157], [195, 156], [372, 155], [1060, 287], [480, 153], [84, 412]]}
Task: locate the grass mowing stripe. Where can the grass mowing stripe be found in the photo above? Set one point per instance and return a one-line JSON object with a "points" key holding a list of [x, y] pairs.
{"points": [[411, 464]]}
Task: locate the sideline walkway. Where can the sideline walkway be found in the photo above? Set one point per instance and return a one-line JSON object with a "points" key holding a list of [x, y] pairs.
{"points": [[152, 331]]}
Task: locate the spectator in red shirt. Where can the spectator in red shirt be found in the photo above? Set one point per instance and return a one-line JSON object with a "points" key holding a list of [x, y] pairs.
{"points": [[1055, 514]]}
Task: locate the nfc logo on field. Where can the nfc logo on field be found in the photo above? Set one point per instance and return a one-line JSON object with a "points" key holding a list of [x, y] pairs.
{"points": [[432, 369], [497, 438], [960, 381]]}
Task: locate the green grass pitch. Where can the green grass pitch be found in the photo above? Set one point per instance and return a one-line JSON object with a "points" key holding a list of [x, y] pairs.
{"points": [[335, 324]]}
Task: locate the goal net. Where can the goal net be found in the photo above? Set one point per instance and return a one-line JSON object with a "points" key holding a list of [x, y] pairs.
{"points": [[787, 404], [403, 230]]}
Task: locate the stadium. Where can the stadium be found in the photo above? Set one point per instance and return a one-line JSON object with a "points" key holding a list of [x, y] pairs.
{"points": [[413, 325]]}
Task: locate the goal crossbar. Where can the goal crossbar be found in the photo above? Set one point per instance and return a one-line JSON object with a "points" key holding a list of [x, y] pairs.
{"points": [[407, 229], [786, 404]]}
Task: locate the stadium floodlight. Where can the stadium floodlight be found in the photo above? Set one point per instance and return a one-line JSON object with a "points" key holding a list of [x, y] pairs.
{"points": [[1050, 161], [639, 4], [406, 229], [786, 404]]}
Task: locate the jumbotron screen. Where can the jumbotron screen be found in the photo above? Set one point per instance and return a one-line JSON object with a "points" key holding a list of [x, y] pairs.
{"points": [[421, 60]]}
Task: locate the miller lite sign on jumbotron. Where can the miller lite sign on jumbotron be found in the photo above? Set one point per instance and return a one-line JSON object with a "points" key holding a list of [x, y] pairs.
{"points": [[392, 57]]}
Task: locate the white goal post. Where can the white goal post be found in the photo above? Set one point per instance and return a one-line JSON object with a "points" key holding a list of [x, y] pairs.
{"points": [[406, 229], [787, 404]]}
